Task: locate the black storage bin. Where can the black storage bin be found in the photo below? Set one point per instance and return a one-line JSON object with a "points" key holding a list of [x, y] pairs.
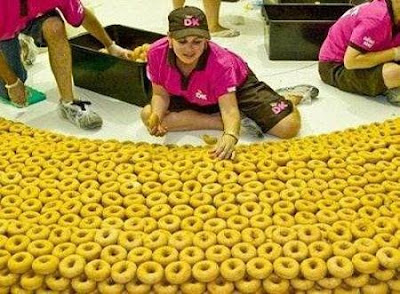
{"points": [[297, 31], [108, 75]]}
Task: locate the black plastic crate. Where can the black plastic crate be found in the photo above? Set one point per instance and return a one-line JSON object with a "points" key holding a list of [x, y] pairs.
{"points": [[297, 31], [108, 75]]}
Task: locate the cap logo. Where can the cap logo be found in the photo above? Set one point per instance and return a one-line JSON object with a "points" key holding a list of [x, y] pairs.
{"points": [[191, 21]]}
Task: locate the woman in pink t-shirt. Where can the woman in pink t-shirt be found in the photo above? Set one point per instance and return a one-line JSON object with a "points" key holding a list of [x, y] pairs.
{"points": [[361, 52], [200, 85]]}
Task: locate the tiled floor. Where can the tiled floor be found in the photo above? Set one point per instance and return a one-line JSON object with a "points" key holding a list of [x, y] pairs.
{"points": [[334, 110]]}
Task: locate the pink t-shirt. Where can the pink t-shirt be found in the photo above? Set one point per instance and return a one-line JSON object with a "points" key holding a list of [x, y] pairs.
{"points": [[218, 72], [11, 23], [367, 27]]}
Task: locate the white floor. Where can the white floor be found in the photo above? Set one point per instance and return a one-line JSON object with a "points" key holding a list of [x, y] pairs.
{"points": [[334, 110]]}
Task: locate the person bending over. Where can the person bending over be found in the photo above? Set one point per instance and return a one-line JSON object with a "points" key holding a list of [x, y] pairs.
{"points": [[42, 20]]}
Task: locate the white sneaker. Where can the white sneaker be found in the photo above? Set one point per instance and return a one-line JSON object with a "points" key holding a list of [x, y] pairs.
{"points": [[250, 127], [29, 51], [393, 96], [306, 92], [79, 113]]}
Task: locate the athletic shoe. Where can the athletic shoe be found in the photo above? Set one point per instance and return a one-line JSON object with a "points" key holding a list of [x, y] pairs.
{"points": [[393, 96], [306, 92], [29, 51], [79, 113], [250, 127]]}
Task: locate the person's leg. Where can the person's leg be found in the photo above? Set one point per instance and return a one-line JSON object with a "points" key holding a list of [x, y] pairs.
{"points": [[391, 74], [60, 56], [186, 120], [178, 3], [212, 9], [288, 127], [274, 114], [11, 51]]}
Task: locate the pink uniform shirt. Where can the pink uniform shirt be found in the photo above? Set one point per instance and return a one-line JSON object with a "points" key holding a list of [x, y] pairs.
{"points": [[11, 23], [218, 72], [368, 27]]}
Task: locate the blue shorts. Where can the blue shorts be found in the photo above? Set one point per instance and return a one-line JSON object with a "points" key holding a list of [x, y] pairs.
{"points": [[12, 51]]}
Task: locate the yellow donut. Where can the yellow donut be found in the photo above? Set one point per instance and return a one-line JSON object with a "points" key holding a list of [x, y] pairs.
{"points": [[233, 269], [63, 250], [220, 285], [150, 272], [30, 281], [20, 262], [178, 272], [218, 253], [191, 255], [388, 257], [365, 263], [45, 265], [200, 199], [340, 267], [165, 255], [123, 271], [274, 284], [320, 249], [97, 270], [182, 239], [286, 267], [113, 253], [83, 284], [313, 268], [72, 266], [89, 250]]}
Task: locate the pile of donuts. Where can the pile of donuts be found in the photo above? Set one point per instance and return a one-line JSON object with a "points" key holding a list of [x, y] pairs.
{"points": [[318, 214], [137, 54]]}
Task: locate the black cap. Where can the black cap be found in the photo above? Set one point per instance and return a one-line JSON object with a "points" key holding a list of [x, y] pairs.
{"points": [[188, 21]]}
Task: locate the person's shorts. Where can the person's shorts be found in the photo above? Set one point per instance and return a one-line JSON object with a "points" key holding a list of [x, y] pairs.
{"points": [[34, 28], [262, 104], [367, 81], [256, 100]]}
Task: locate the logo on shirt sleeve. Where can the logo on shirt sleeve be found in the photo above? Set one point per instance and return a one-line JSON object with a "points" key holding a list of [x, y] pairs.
{"points": [[368, 42], [200, 95]]}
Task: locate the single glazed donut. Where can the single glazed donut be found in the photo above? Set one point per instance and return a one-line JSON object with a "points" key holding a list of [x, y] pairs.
{"points": [[286, 267], [313, 268], [274, 284], [72, 266], [113, 253], [340, 267], [45, 265], [178, 272], [181, 239], [320, 249], [269, 251], [228, 237], [20, 262], [123, 271], [233, 269], [63, 250], [365, 263], [388, 257], [150, 272], [259, 268]]}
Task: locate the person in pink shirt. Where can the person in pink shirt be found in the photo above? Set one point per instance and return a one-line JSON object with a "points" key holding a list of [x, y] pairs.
{"points": [[42, 20], [361, 51], [199, 85]]}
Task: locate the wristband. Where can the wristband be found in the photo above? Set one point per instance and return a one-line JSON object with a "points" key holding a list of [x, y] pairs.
{"points": [[232, 135], [8, 87]]}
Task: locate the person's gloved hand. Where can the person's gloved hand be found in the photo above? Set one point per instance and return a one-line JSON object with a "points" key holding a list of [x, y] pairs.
{"points": [[17, 93], [396, 53], [118, 51], [224, 149]]}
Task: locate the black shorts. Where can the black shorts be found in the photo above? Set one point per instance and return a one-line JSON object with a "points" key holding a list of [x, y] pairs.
{"points": [[256, 100], [368, 81], [34, 28]]}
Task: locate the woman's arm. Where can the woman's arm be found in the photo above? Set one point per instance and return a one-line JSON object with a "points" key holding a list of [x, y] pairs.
{"points": [[95, 28], [159, 108], [231, 120], [354, 59]]}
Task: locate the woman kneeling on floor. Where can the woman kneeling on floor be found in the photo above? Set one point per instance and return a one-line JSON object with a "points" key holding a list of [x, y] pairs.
{"points": [[199, 85]]}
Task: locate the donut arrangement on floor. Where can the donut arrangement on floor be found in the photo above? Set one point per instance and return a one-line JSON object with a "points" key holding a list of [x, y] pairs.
{"points": [[318, 214]]}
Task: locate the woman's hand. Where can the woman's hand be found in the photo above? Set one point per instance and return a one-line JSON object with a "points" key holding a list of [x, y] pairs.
{"points": [[154, 126], [224, 149], [17, 93]]}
